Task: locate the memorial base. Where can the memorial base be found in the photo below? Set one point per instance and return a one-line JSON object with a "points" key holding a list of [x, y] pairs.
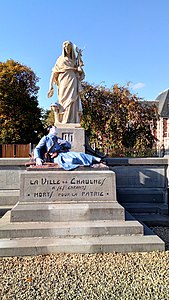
{"points": [[71, 212], [74, 134]]}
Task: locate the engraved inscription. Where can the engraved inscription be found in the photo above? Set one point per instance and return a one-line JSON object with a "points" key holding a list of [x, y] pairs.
{"points": [[84, 187]]}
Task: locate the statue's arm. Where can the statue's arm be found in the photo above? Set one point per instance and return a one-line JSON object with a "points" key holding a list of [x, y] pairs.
{"points": [[51, 88], [38, 149], [81, 73]]}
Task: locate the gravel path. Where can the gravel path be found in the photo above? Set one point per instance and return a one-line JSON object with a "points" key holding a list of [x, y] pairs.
{"points": [[140, 276], [163, 233]]}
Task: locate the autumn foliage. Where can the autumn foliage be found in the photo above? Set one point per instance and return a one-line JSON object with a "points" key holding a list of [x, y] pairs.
{"points": [[116, 120], [19, 112]]}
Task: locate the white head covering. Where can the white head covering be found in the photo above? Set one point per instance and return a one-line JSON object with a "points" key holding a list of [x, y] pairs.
{"points": [[72, 54], [53, 130]]}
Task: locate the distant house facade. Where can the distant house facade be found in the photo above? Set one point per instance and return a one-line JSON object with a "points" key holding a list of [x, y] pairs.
{"points": [[162, 133]]}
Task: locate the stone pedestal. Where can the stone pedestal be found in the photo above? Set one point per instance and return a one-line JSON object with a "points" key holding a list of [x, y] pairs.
{"points": [[72, 212], [70, 186], [74, 134]]}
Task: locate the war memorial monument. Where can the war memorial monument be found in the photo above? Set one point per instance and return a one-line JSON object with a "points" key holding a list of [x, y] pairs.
{"points": [[70, 211]]}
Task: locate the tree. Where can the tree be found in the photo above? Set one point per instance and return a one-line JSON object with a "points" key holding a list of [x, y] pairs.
{"points": [[48, 118], [20, 116], [116, 120]]}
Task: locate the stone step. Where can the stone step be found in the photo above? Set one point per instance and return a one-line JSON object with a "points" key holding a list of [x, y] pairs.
{"points": [[4, 209], [87, 244], [155, 208], [81, 228], [141, 195], [152, 219], [60, 212], [9, 197]]}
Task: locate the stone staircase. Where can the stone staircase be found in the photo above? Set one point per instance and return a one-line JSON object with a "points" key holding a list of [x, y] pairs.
{"points": [[8, 198], [71, 212], [152, 214], [142, 188]]}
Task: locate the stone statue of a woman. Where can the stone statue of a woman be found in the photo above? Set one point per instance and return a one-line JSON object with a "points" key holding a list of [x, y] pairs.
{"points": [[67, 74]]}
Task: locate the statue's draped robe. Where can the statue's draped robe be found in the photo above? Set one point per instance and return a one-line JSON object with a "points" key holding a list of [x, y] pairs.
{"points": [[68, 82]]}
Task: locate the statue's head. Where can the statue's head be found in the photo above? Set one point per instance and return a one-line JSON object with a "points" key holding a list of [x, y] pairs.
{"points": [[68, 50], [53, 130]]}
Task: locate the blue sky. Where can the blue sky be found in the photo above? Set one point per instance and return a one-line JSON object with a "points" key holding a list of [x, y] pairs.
{"points": [[124, 40]]}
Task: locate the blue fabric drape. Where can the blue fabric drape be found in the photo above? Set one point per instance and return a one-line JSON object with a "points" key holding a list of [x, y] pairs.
{"points": [[71, 160]]}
